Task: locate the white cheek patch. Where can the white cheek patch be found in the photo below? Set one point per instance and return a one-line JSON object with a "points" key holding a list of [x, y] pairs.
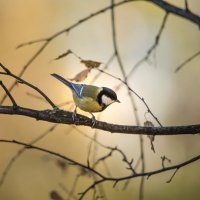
{"points": [[106, 100]]}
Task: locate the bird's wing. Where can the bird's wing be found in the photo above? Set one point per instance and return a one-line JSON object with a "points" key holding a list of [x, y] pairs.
{"points": [[77, 88]]}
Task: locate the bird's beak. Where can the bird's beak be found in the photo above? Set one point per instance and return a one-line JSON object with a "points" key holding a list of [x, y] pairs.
{"points": [[118, 101]]}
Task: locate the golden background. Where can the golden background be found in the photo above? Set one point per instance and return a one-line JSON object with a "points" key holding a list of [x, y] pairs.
{"points": [[173, 97]]}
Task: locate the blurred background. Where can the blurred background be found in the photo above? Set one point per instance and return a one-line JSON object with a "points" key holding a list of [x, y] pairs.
{"points": [[173, 97]]}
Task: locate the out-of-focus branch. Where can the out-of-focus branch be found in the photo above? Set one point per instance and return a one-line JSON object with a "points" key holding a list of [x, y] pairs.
{"points": [[147, 174], [38, 52], [152, 48], [187, 14], [125, 81], [135, 93], [46, 42], [71, 161], [21, 151], [101, 177], [187, 61]]}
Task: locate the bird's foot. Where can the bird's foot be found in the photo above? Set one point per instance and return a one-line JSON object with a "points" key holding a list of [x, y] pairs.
{"points": [[93, 120], [74, 115]]}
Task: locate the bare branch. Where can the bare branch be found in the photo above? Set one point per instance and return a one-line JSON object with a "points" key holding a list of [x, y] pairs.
{"points": [[186, 5], [20, 80], [65, 117], [20, 152], [135, 93], [173, 175], [24, 69], [8, 93], [102, 177], [163, 159], [130, 90], [177, 11], [147, 174], [152, 48], [187, 61], [52, 37], [30, 146]]}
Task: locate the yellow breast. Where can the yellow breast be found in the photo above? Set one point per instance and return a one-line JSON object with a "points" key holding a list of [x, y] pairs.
{"points": [[87, 104]]}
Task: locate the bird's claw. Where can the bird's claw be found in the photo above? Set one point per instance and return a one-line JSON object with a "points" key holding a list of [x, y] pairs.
{"points": [[74, 115], [93, 120]]}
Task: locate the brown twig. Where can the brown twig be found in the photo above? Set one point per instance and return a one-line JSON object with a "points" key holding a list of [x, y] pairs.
{"points": [[163, 159], [22, 81], [116, 51], [135, 93], [152, 48], [51, 38], [20, 152], [147, 174], [187, 61], [102, 177], [9, 95], [186, 5], [176, 170]]}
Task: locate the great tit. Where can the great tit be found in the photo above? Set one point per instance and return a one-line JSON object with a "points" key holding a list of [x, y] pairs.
{"points": [[89, 98]]}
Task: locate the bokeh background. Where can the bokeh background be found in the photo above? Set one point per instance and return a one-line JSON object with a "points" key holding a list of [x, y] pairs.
{"points": [[173, 97]]}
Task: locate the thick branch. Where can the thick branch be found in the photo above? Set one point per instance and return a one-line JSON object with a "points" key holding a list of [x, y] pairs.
{"points": [[170, 8], [65, 117]]}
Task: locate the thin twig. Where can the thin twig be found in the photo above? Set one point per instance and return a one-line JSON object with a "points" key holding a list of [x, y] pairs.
{"points": [[109, 154], [51, 38], [110, 60], [21, 151], [142, 156], [42, 99], [186, 5], [102, 177], [67, 191], [25, 68], [187, 61], [9, 95], [152, 48], [163, 159], [22, 81], [130, 89], [130, 96], [30, 146], [148, 174], [74, 184], [173, 175], [111, 151], [123, 82]]}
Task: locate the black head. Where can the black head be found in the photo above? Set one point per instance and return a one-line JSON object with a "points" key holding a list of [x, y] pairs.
{"points": [[106, 97]]}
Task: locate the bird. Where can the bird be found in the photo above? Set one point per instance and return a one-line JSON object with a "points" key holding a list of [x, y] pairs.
{"points": [[89, 98]]}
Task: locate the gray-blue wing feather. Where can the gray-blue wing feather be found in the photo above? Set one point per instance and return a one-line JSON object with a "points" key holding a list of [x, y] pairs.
{"points": [[77, 88]]}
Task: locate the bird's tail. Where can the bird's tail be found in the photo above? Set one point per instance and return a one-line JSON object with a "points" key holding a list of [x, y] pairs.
{"points": [[60, 78]]}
